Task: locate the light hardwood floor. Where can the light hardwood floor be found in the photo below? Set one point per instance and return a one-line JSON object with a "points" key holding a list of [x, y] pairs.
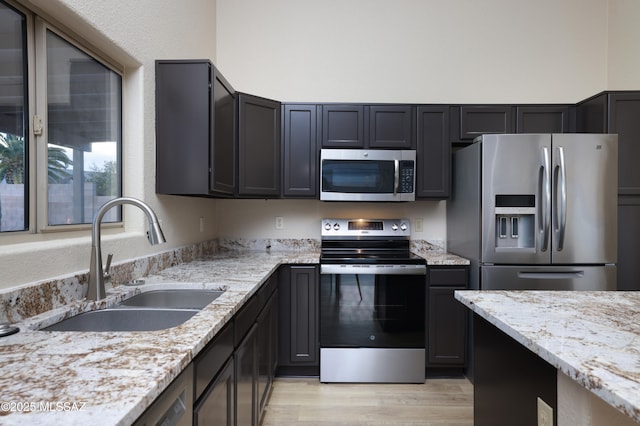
{"points": [[306, 401]]}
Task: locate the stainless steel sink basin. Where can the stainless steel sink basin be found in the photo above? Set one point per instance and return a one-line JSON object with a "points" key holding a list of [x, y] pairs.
{"points": [[124, 320], [174, 299]]}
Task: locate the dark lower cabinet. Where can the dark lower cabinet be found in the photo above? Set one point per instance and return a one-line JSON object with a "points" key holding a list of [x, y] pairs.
{"points": [[217, 406], [447, 318], [246, 366], [628, 266], [234, 374], [508, 379], [299, 348], [267, 350]]}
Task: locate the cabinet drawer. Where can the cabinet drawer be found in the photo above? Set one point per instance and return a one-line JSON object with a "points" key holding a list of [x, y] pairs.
{"points": [[448, 277], [212, 358]]}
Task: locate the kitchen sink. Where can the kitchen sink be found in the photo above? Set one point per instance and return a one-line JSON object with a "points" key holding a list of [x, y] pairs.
{"points": [[173, 299], [138, 319]]}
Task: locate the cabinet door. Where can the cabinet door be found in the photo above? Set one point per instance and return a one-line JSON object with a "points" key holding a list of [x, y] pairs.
{"points": [[624, 114], [343, 126], [300, 151], [628, 267], [217, 407], [258, 146], [591, 114], [391, 126], [447, 327], [246, 367], [447, 318], [267, 350], [182, 127], [298, 320], [223, 128], [433, 179], [543, 119], [476, 120]]}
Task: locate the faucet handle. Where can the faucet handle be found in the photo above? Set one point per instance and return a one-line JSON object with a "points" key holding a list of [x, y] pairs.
{"points": [[108, 265]]}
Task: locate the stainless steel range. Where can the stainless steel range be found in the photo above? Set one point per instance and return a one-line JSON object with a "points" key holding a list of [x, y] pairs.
{"points": [[372, 303]]}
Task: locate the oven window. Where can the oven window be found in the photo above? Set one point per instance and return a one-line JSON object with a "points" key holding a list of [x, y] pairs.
{"points": [[375, 311], [358, 176]]}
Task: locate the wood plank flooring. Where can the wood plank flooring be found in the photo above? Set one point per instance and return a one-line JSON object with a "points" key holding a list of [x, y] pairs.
{"points": [[306, 401]]}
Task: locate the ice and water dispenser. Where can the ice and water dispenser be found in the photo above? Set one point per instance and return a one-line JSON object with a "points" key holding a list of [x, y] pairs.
{"points": [[515, 221]]}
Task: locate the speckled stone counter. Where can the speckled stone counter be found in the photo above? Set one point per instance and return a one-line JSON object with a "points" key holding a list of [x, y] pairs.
{"points": [[110, 378], [591, 337], [98, 378]]}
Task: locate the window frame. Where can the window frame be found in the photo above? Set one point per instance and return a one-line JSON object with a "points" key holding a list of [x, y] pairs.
{"points": [[36, 172]]}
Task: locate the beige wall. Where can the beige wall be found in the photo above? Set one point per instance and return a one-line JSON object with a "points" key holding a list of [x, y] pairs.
{"points": [[134, 33], [624, 45], [422, 51], [427, 51]]}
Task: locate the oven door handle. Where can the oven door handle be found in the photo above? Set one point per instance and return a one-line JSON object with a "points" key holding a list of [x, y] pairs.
{"points": [[374, 269]]}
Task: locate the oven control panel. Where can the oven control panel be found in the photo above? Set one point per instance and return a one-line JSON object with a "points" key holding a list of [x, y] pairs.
{"points": [[365, 227]]}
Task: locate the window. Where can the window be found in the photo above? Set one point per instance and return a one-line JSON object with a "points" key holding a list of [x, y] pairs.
{"points": [[73, 129]]}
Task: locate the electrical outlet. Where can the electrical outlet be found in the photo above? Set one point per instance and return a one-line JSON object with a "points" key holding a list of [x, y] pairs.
{"points": [[418, 225], [545, 413], [279, 222]]}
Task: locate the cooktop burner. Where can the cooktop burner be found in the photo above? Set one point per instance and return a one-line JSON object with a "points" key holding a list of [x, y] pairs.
{"points": [[367, 241]]}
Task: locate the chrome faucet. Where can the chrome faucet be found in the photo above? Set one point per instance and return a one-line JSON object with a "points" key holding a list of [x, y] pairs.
{"points": [[96, 273]]}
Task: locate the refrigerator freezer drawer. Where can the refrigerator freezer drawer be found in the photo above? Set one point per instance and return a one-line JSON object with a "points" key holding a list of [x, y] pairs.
{"points": [[548, 277]]}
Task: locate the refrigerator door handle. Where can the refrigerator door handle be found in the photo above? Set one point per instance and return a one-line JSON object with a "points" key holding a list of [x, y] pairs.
{"points": [[550, 275], [560, 199], [544, 190]]}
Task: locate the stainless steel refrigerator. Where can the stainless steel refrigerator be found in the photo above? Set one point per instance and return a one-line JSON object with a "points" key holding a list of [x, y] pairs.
{"points": [[536, 211]]}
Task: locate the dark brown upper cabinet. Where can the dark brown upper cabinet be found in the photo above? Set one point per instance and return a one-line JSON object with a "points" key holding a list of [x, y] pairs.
{"points": [[368, 126], [300, 150], [343, 126], [258, 146], [544, 119], [195, 130], [433, 152], [471, 121], [617, 112], [391, 126]]}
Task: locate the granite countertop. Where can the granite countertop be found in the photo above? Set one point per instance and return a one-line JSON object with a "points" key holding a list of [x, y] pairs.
{"points": [[592, 337], [52, 378], [110, 378]]}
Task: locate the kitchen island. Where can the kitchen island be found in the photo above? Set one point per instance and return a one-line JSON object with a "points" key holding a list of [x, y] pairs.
{"points": [[589, 340]]}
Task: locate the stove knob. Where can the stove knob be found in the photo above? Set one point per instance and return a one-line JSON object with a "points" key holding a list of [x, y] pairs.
{"points": [[327, 226], [394, 227], [403, 226], [336, 226]]}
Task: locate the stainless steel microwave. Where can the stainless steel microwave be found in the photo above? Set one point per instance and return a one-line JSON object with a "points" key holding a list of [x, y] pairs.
{"points": [[367, 175]]}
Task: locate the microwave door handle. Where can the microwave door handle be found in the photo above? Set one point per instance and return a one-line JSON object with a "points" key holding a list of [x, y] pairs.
{"points": [[396, 176]]}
